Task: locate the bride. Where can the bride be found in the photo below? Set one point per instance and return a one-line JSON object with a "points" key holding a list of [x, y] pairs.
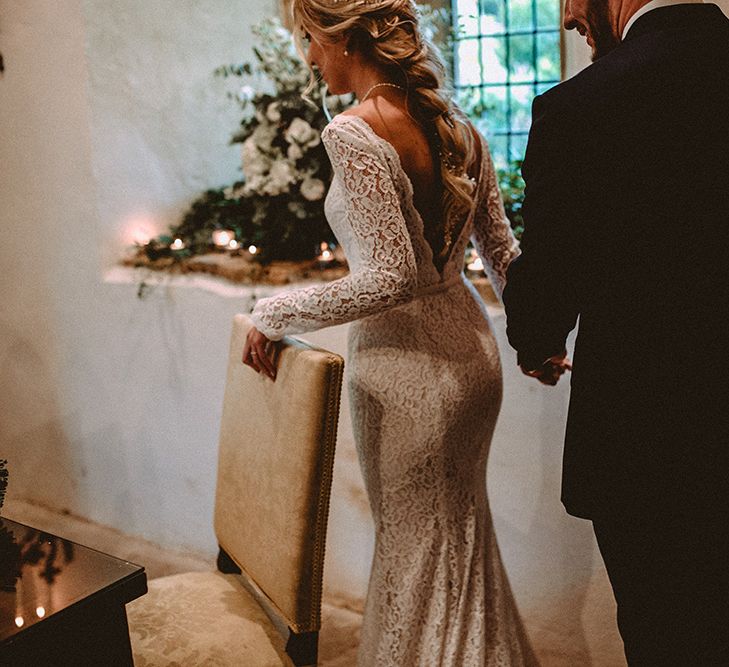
{"points": [[413, 181]]}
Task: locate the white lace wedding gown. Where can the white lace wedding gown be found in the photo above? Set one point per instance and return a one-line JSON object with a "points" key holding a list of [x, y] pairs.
{"points": [[425, 389]]}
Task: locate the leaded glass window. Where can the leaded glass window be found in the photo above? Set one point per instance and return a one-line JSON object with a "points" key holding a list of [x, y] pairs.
{"points": [[506, 53]]}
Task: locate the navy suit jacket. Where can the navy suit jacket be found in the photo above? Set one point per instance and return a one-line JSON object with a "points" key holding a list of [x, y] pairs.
{"points": [[627, 229]]}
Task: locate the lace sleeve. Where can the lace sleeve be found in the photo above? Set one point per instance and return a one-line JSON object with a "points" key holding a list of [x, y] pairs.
{"points": [[385, 274], [492, 235]]}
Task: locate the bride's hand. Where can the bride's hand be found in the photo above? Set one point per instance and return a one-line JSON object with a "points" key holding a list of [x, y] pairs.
{"points": [[260, 353]]}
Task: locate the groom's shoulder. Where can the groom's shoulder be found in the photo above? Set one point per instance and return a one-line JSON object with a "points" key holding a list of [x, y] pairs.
{"points": [[590, 87]]}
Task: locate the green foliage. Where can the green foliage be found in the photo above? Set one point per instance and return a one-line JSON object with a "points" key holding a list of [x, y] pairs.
{"points": [[512, 191], [278, 204]]}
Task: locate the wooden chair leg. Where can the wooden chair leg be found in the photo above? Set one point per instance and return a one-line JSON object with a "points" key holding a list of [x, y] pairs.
{"points": [[226, 564], [303, 648]]}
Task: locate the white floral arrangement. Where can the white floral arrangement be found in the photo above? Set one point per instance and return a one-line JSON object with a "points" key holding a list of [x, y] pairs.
{"points": [[277, 206], [285, 169]]}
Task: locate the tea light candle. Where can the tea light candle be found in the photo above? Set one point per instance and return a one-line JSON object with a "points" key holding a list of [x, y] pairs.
{"points": [[326, 256], [141, 237], [476, 265], [223, 237]]}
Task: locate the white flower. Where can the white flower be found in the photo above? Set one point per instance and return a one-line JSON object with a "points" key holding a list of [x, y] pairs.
{"points": [[280, 178], [312, 188], [300, 132], [272, 113], [264, 135], [246, 93], [294, 152], [254, 161]]}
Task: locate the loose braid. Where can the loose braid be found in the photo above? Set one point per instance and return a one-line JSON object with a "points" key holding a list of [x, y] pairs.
{"points": [[388, 33]]}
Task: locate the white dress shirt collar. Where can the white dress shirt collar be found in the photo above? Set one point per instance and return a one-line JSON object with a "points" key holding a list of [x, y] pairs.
{"points": [[655, 4]]}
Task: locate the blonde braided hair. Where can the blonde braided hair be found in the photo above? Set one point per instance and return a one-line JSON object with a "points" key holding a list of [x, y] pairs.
{"points": [[387, 32]]}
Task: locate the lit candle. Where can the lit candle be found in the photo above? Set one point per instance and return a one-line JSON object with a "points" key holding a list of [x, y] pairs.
{"points": [[177, 244], [223, 237], [476, 265], [326, 256], [19, 621], [40, 612], [234, 245], [252, 249], [141, 237]]}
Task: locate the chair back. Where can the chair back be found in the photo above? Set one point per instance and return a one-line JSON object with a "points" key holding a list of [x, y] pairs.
{"points": [[276, 457]]}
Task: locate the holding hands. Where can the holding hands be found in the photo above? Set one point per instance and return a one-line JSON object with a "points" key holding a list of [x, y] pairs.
{"points": [[551, 370]]}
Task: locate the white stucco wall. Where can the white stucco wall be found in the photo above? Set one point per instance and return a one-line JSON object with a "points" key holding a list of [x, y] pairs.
{"points": [[109, 406]]}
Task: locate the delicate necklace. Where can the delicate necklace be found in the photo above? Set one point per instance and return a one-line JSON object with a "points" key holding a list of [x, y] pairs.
{"points": [[378, 85]]}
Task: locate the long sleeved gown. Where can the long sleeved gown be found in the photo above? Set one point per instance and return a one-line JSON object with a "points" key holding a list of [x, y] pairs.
{"points": [[424, 381]]}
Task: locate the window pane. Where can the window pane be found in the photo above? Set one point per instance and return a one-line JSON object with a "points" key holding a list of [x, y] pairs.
{"points": [[469, 70], [467, 17], [520, 15], [498, 144], [521, 107], [492, 17], [496, 109], [518, 147], [548, 14], [544, 87], [512, 55], [521, 56], [548, 57], [493, 57]]}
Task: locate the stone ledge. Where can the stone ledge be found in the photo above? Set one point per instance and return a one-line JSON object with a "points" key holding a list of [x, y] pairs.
{"points": [[249, 292]]}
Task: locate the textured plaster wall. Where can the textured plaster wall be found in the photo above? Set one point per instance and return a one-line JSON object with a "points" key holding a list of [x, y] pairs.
{"points": [[111, 119], [109, 406]]}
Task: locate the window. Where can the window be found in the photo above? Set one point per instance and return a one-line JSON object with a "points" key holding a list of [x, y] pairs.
{"points": [[506, 53]]}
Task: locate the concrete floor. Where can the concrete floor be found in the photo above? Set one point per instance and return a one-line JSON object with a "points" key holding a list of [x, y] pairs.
{"points": [[339, 636]]}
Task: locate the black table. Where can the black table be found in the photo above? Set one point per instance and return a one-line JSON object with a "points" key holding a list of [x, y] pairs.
{"points": [[62, 603]]}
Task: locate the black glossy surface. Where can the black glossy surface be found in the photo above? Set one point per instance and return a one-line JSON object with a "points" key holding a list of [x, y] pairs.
{"points": [[43, 576]]}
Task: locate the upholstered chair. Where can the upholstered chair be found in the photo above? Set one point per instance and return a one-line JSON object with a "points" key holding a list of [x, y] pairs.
{"points": [[276, 453]]}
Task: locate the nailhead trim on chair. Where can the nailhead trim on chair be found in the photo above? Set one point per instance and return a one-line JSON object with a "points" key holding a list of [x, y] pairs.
{"points": [[336, 372]]}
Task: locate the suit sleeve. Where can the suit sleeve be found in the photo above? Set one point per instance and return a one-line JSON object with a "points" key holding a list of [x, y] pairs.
{"points": [[540, 294]]}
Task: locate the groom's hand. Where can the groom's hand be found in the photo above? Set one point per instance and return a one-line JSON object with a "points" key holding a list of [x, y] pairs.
{"points": [[551, 370]]}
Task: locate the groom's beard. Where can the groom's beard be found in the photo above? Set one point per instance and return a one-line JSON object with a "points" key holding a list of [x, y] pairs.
{"points": [[601, 30]]}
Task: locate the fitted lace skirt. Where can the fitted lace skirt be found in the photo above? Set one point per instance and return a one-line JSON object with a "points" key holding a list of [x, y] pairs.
{"points": [[425, 390]]}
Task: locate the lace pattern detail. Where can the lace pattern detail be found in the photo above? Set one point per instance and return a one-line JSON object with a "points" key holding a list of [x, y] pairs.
{"points": [[492, 235], [383, 265], [424, 380]]}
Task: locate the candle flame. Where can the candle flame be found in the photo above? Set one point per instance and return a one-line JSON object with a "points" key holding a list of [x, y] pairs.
{"points": [[234, 245], [40, 612], [19, 621], [177, 244], [141, 237], [223, 237], [252, 249]]}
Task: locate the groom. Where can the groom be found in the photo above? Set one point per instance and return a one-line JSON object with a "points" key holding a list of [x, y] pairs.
{"points": [[627, 227]]}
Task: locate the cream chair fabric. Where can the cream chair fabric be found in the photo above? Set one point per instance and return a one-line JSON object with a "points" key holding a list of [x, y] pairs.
{"points": [[202, 618], [275, 464]]}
